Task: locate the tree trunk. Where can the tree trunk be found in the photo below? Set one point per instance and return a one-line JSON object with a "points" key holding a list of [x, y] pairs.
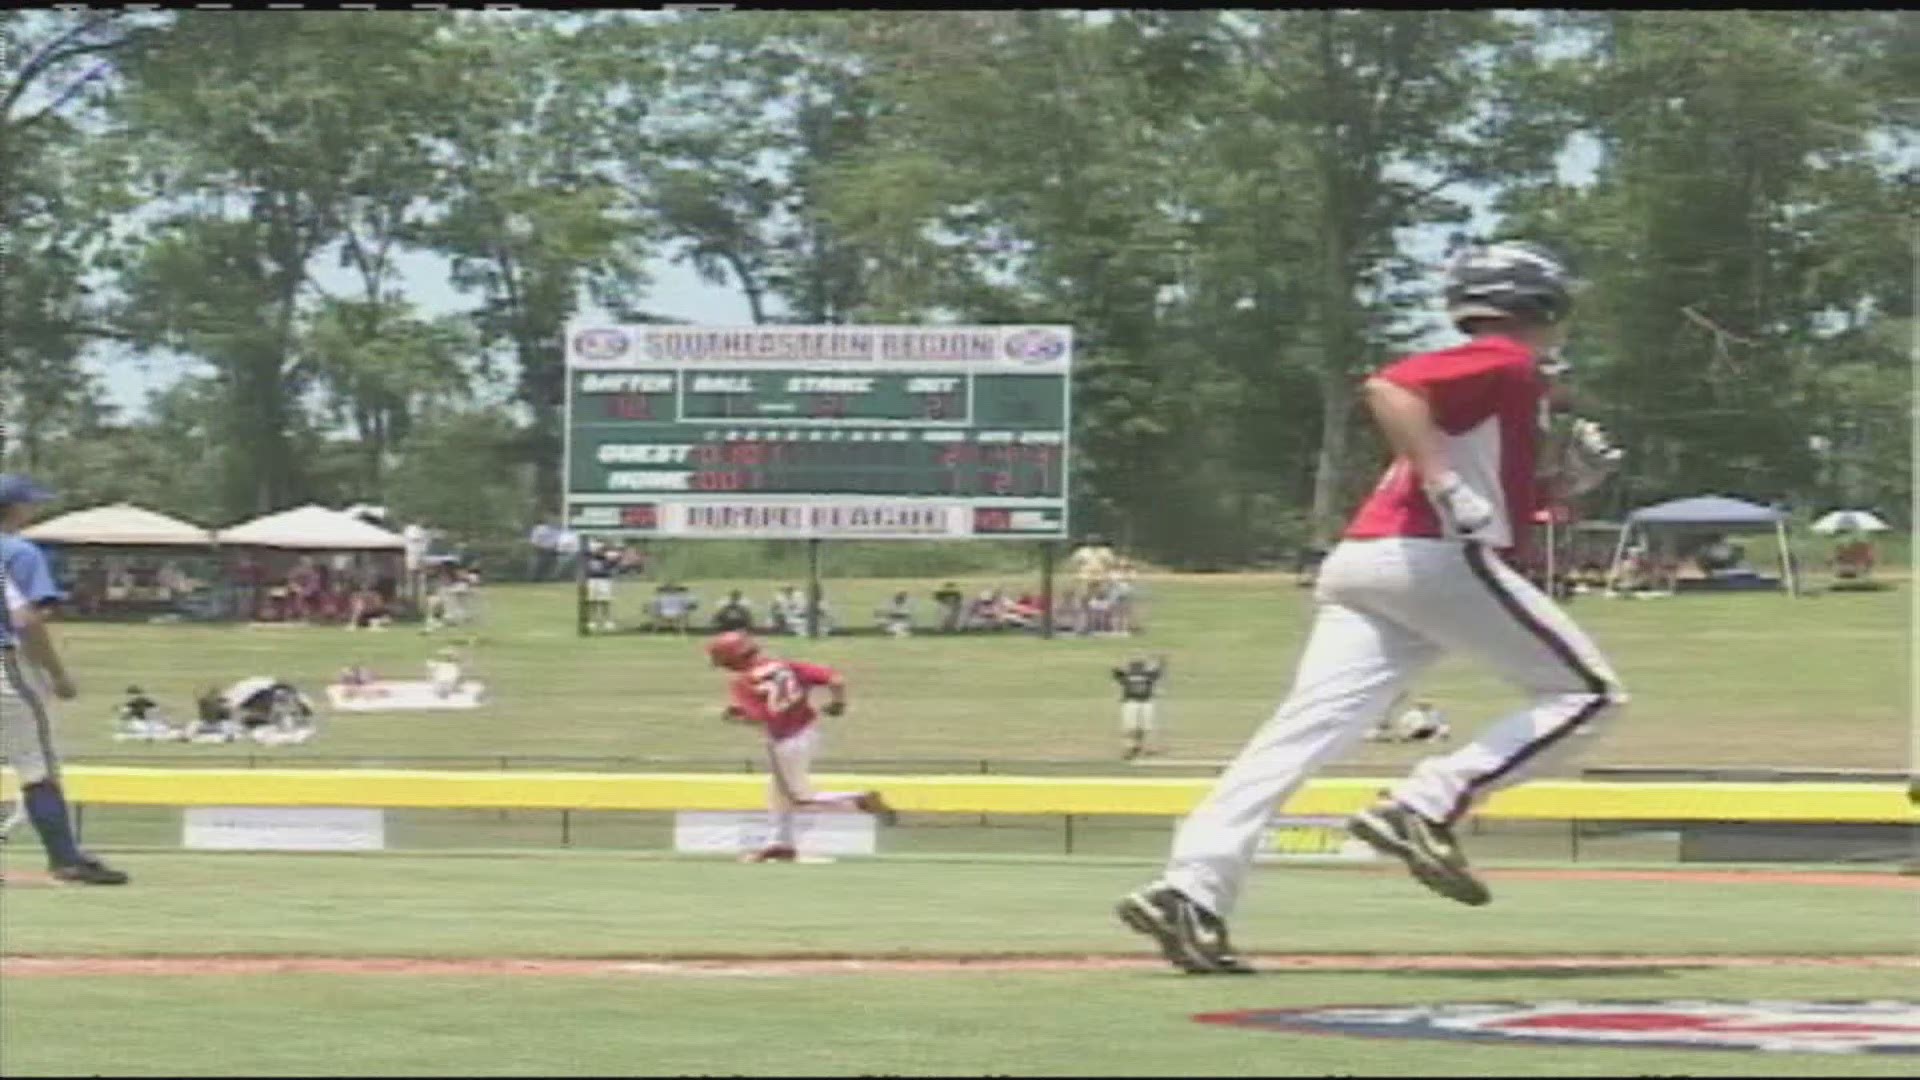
{"points": [[1330, 464]]}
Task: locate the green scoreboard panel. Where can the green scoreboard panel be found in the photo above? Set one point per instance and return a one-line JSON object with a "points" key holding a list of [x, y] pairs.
{"points": [[869, 432]]}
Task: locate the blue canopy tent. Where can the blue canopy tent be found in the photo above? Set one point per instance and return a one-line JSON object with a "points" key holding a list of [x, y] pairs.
{"points": [[1708, 511]]}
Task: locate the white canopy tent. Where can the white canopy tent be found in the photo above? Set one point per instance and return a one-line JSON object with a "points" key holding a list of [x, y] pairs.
{"points": [[1707, 511], [120, 525], [312, 528]]}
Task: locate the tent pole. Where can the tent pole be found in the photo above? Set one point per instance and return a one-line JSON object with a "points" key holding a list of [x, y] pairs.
{"points": [[1550, 589], [1786, 559], [1619, 549]]}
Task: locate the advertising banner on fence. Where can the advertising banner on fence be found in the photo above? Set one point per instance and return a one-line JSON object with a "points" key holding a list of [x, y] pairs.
{"points": [[713, 833], [1311, 839], [284, 828]]}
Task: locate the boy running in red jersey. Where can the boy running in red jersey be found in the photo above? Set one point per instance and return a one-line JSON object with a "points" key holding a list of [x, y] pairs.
{"points": [[773, 694]]}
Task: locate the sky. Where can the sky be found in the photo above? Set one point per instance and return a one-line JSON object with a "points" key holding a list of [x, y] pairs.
{"points": [[677, 293]]}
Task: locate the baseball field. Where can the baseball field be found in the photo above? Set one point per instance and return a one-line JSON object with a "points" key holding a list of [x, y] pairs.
{"points": [[482, 950]]}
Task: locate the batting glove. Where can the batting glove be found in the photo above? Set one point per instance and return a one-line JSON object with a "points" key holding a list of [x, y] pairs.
{"points": [[1592, 439], [834, 708], [1461, 508]]}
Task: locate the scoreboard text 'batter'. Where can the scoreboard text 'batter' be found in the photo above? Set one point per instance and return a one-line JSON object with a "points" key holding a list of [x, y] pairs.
{"points": [[819, 432]]}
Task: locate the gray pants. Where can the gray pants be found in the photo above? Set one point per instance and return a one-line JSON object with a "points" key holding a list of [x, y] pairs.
{"points": [[26, 720]]}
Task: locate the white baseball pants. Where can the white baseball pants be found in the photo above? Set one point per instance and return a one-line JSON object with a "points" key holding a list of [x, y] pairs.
{"points": [[790, 787], [1136, 716], [1387, 610]]}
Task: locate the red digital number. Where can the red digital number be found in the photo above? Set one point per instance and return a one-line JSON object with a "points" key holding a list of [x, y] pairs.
{"points": [[719, 481], [992, 520], [630, 407], [639, 517]]}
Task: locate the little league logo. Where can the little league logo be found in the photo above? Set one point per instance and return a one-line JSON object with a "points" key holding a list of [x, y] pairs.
{"points": [[1800, 1027], [1036, 346], [601, 344]]}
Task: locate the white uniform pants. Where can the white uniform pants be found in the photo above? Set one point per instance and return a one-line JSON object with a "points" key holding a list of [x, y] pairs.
{"points": [[1387, 610], [790, 786], [26, 720], [1136, 716]]}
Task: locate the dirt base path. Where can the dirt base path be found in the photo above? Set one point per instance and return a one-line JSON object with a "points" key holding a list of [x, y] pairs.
{"points": [[17, 967]]}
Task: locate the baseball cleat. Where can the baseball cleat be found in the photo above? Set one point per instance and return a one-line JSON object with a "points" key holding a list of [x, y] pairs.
{"points": [[89, 871], [1429, 850], [1192, 938], [771, 853], [873, 803]]}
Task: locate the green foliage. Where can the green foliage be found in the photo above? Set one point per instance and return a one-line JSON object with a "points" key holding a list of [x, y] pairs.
{"points": [[1236, 210], [462, 472]]}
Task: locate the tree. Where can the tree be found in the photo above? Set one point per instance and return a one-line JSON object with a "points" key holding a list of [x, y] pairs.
{"points": [[1746, 233], [462, 471], [1397, 114], [525, 211], [733, 150], [257, 131], [57, 204], [380, 365]]}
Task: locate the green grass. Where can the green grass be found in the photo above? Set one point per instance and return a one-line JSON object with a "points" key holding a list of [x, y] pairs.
{"points": [[593, 904], [1736, 680], [955, 1025], [1088, 1023]]}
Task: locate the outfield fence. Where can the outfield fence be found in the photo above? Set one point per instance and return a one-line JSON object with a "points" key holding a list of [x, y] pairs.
{"points": [[1641, 819]]}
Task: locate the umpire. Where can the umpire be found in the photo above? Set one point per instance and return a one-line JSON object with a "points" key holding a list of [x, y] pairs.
{"points": [[31, 673]]}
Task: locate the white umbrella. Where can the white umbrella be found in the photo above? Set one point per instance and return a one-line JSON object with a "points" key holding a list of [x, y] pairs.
{"points": [[1845, 521]]}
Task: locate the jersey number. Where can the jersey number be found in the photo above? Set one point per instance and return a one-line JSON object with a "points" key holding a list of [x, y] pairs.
{"points": [[780, 688]]}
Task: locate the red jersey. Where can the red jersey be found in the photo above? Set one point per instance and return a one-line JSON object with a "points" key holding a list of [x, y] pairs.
{"points": [[1486, 397], [773, 694]]}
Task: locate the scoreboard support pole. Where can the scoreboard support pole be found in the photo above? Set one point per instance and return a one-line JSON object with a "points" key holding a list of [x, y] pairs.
{"points": [[813, 588], [1046, 588], [580, 588]]}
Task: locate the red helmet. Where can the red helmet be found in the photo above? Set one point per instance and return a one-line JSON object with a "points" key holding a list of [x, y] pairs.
{"points": [[733, 649]]}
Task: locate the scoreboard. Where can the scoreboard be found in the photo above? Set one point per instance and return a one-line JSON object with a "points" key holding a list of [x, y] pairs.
{"points": [[871, 432]]}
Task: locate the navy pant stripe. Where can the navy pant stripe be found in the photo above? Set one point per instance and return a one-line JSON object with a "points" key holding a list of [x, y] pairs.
{"points": [[42, 726], [1595, 684]]}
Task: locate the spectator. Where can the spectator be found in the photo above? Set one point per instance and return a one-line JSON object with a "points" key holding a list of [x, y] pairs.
{"points": [[1097, 615], [951, 602], [1123, 591], [1092, 566], [633, 561], [303, 586], [823, 618], [600, 567], [735, 614], [984, 612], [460, 594], [543, 537], [787, 611], [369, 611], [896, 618], [566, 552], [673, 606]]}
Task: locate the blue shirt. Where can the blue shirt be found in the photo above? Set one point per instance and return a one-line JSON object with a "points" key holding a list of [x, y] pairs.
{"points": [[26, 573]]}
